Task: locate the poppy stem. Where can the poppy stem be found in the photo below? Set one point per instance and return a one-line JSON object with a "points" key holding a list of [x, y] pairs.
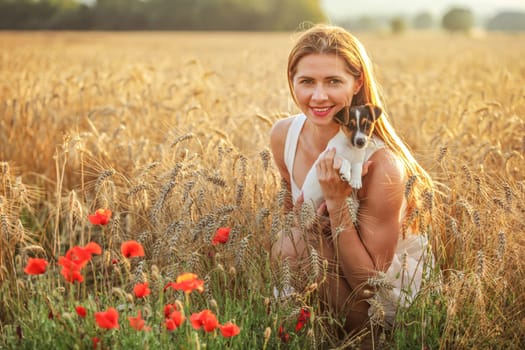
{"points": [[187, 300]]}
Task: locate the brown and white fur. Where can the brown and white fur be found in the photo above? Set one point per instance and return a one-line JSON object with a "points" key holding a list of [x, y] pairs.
{"points": [[351, 142]]}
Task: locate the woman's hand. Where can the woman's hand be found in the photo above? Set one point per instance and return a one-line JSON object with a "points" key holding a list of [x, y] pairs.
{"points": [[335, 190]]}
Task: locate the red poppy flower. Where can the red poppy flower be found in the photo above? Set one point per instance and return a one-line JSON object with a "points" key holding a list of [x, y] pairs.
{"points": [[82, 255], [79, 256], [174, 320], [93, 248], [168, 309], [285, 337], [81, 311], [95, 341], [205, 319], [138, 323], [141, 290], [229, 329], [107, 319], [101, 217], [75, 259], [68, 263], [71, 274], [131, 249], [71, 268], [221, 236], [187, 282], [35, 266], [304, 316]]}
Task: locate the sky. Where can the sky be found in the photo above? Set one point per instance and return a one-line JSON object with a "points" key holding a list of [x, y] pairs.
{"points": [[341, 9]]}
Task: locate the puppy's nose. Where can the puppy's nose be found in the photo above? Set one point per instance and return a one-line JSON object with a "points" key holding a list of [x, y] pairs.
{"points": [[360, 142]]}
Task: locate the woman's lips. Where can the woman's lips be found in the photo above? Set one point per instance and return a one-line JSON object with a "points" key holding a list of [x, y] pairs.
{"points": [[321, 111]]}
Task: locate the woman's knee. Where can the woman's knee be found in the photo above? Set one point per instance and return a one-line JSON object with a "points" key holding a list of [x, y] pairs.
{"points": [[290, 246]]}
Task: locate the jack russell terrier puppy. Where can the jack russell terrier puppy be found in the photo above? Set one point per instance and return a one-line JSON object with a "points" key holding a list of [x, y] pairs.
{"points": [[351, 143]]}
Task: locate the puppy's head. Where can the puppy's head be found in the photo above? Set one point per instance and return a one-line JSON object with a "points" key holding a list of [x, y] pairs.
{"points": [[357, 122]]}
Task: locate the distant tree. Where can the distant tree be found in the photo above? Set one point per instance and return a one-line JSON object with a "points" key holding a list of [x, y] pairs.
{"points": [[64, 4], [458, 19], [79, 18], [508, 21], [192, 14], [290, 14], [233, 15], [70, 14], [120, 15], [423, 20], [26, 14], [364, 23], [398, 25]]}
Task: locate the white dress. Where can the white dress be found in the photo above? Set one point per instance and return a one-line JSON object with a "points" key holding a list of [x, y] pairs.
{"points": [[399, 285]]}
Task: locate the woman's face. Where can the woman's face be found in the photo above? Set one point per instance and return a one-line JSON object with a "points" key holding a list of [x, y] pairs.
{"points": [[323, 86]]}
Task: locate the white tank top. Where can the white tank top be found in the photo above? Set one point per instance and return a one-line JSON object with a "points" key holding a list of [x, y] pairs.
{"points": [[290, 149]]}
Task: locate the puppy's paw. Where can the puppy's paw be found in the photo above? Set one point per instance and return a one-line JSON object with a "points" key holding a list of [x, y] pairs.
{"points": [[345, 171], [356, 184]]}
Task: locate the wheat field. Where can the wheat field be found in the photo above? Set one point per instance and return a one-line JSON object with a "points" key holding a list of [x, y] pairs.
{"points": [[170, 131]]}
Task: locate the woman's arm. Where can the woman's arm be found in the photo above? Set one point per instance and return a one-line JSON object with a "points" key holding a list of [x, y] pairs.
{"points": [[370, 247], [277, 142]]}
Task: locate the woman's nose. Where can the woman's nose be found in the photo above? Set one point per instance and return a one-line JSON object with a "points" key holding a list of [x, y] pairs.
{"points": [[319, 93]]}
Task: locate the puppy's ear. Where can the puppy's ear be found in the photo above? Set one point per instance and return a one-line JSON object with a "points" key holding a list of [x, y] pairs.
{"points": [[342, 116], [376, 111]]}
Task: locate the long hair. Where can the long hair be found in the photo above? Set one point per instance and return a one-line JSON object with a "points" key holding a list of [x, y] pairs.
{"points": [[326, 39]]}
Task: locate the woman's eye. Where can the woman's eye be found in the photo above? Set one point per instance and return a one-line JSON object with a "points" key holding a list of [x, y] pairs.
{"points": [[335, 81]]}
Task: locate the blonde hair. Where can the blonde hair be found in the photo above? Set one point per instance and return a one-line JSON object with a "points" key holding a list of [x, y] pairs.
{"points": [[326, 39]]}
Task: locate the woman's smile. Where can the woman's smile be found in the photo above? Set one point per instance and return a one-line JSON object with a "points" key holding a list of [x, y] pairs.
{"points": [[321, 111]]}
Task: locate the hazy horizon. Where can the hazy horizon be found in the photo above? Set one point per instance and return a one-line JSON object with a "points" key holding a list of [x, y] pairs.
{"points": [[341, 9], [344, 9]]}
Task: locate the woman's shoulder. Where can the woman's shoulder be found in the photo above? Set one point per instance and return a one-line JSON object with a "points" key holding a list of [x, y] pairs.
{"points": [[386, 170], [384, 184], [278, 135], [388, 161], [280, 128]]}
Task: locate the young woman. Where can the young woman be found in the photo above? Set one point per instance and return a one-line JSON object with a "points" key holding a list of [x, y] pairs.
{"points": [[375, 262]]}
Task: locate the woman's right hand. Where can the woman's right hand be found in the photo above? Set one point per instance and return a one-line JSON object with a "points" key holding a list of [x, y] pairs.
{"points": [[335, 189]]}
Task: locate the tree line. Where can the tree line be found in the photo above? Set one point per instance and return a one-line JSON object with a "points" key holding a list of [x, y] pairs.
{"points": [[456, 19], [159, 14], [217, 15]]}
